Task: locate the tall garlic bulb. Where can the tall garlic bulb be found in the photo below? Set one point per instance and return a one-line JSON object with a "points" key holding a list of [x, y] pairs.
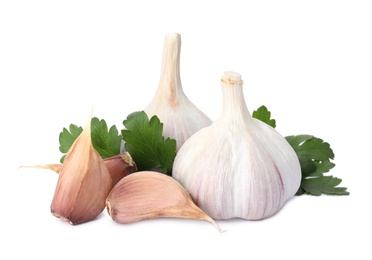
{"points": [[180, 117], [239, 167]]}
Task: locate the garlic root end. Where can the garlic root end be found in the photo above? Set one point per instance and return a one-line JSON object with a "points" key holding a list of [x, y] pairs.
{"points": [[108, 206], [54, 167]]}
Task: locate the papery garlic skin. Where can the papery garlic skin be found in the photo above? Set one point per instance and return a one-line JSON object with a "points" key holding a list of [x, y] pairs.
{"points": [[180, 117], [83, 184], [118, 166], [239, 167]]}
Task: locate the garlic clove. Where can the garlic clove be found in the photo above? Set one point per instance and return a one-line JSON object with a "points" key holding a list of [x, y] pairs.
{"points": [[120, 166], [83, 182], [148, 195], [180, 117], [239, 167]]}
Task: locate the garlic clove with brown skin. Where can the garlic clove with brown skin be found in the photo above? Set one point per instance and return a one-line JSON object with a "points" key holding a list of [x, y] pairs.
{"points": [[239, 167], [120, 166], [180, 117], [83, 183], [148, 195]]}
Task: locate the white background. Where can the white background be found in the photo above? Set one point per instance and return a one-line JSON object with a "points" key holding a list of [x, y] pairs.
{"points": [[309, 62]]}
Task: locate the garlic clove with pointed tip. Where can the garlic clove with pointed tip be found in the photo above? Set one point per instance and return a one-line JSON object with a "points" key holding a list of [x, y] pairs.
{"points": [[239, 167], [180, 117], [83, 182], [148, 195]]}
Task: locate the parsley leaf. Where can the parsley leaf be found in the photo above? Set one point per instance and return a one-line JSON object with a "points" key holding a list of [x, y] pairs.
{"points": [[145, 142], [323, 184], [264, 115], [106, 141], [67, 137], [315, 157], [310, 151]]}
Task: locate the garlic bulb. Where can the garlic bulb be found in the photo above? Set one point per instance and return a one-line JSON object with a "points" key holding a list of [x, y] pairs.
{"points": [[84, 182], [239, 167], [180, 117]]}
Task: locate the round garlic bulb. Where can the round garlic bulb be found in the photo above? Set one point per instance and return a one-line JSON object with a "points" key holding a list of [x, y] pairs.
{"points": [[238, 167], [180, 117]]}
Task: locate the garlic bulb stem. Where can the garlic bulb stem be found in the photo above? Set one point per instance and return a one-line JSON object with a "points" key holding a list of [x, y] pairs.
{"points": [[180, 117], [170, 71], [234, 107]]}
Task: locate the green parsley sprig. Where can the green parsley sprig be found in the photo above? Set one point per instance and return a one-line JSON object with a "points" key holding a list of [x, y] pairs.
{"points": [[106, 141], [144, 140], [315, 158]]}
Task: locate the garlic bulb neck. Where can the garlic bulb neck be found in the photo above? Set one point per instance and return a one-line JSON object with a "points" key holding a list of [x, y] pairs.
{"points": [[180, 117], [170, 87], [234, 107]]}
